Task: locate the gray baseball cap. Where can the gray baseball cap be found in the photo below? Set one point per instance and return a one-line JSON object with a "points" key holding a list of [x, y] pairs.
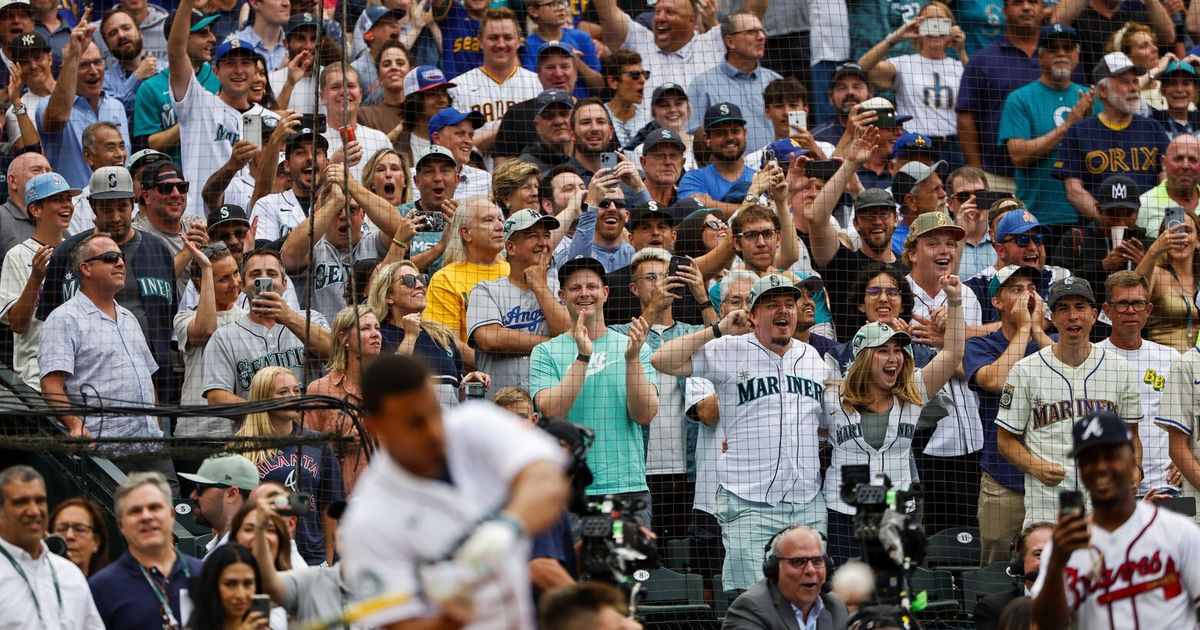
{"points": [[876, 334], [226, 470], [111, 182], [525, 219], [771, 283]]}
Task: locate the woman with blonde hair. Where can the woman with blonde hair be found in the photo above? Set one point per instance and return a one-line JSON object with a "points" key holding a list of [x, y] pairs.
{"points": [[397, 297], [317, 473], [1172, 267], [871, 415], [350, 354], [929, 71], [387, 174], [515, 186]]}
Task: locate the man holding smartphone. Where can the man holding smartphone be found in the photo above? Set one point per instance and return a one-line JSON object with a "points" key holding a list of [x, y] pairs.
{"points": [[1130, 560]]}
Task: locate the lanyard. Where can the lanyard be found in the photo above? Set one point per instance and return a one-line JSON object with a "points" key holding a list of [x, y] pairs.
{"points": [[53, 576], [172, 622]]}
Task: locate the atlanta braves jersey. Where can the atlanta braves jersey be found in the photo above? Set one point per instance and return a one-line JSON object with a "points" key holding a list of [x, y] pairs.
{"points": [[1143, 575], [770, 408], [1043, 398]]}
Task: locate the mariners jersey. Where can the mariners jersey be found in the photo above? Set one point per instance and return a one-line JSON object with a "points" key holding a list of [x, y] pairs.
{"points": [[1180, 406], [278, 214], [1144, 575], [477, 90], [235, 353], [893, 458], [1042, 400], [770, 409]]}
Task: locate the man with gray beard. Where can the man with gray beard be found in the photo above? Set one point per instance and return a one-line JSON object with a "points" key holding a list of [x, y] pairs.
{"points": [[1114, 142]]}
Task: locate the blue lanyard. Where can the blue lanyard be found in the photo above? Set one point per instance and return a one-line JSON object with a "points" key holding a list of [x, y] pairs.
{"points": [[162, 597], [53, 576]]}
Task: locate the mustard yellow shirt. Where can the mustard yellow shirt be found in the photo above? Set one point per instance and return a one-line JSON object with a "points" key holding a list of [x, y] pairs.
{"points": [[446, 298]]}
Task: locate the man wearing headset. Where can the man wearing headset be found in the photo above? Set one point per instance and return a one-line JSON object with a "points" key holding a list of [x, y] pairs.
{"points": [[1026, 550], [789, 597]]}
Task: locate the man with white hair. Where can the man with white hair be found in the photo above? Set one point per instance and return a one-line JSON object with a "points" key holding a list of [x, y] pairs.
{"points": [[789, 596], [1118, 140]]}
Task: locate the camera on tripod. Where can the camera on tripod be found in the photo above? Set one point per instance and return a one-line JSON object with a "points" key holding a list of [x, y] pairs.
{"points": [[892, 539], [614, 548]]}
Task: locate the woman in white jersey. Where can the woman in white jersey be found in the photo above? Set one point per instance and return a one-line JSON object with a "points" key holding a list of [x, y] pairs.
{"points": [[871, 416], [926, 83]]}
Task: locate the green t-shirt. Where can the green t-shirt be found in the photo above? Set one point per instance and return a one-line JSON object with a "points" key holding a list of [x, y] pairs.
{"points": [[153, 111], [1031, 112], [617, 459], [874, 426]]}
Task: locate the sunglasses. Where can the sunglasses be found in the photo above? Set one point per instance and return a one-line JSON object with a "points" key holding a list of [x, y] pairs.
{"points": [[609, 203], [638, 75], [963, 196], [875, 292], [413, 282], [1022, 240], [714, 223], [109, 258], [212, 248], [165, 188]]}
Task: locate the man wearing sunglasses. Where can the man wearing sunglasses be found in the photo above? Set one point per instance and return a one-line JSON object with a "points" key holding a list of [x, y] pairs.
{"points": [[1112, 242], [163, 206], [1019, 240], [149, 270]]}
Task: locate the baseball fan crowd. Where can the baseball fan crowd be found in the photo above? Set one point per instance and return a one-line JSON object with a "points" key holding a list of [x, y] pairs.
{"points": [[696, 256]]}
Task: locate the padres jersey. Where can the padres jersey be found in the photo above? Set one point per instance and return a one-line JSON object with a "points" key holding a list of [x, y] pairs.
{"points": [[770, 409], [235, 353], [1151, 365], [1143, 575], [1043, 398], [492, 96], [208, 129], [1180, 406], [894, 458]]}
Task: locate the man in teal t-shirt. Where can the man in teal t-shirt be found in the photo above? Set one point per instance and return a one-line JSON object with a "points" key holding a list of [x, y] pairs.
{"points": [[602, 379], [1036, 119], [153, 112]]}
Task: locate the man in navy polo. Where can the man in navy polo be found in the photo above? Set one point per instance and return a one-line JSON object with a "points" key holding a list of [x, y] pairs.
{"points": [[141, 589]]}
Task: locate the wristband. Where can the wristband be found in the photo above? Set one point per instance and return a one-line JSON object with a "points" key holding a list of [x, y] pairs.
{"points": [[586, 358], [508, 518], [716, 328], [400, 243]]}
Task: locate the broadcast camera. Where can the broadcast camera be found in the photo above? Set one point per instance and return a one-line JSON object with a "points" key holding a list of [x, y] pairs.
{"points": [[893, 542], [614, 548]]}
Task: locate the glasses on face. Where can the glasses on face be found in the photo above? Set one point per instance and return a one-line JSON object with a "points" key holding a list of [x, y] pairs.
{"points": [[413, 282], [877, 292], [753, 32], [1124, 306], [109, 258], [609, 203], [1022, 240], [714, 223], [963, 196], [552, 3], [637, 75], [211, 249], [650, 277], [757, 234], [799, 562], [165, 188], [79, 528]]}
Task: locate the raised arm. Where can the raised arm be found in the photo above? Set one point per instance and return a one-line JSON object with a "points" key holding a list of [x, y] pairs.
{"points": [[822, 234], [180, 65], [297, 246], [675, 356], [641, 396], [379, 210], [789, 241], [614, 22], [62, 99], [205, 323], [939, 371]]}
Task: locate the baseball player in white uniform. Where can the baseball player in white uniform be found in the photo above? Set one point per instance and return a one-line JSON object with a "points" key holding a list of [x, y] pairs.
{"points": [[1129, 564], [446, 509], [770, 397], [1047, 391]]}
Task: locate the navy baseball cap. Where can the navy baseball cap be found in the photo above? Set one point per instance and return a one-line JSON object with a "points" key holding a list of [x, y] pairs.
{"points": [[451, 116], [239, 46], [667, 88], [1098, 428], [1051, 32], [161, 171], [28, 46], [723, 112], [849, 68], [550, 98], [227, 213], [662, 136], [913, 142], [1118, 191], [580, 263], [556, 46], [301, 20]]}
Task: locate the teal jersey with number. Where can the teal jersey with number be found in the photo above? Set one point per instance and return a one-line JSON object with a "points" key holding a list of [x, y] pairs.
{"points": [[153, 111], [617, 459], [1031, 112]]}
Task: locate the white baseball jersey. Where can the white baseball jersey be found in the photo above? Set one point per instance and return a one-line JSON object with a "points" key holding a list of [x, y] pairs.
{"points": [[1143, 575], [208, 129], [477, 90], [236, 352], [1151, 364], [396, 521], [1041, 401], [278, 214], [371, 141], [894, 458], [708, 447], [1180, 406], [770, 409], [960, 432], [304, 96], [331, 271], [193, 377], [83, 218], [18, 266]]}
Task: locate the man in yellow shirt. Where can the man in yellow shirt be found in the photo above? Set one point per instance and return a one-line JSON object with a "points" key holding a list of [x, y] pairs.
{"points": [[471, 257]]}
